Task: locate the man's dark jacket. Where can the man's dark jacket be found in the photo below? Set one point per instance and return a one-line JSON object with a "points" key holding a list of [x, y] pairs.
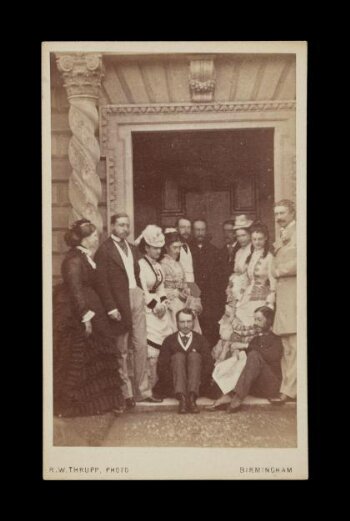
{"points": [[270, 347], [113, 282]]}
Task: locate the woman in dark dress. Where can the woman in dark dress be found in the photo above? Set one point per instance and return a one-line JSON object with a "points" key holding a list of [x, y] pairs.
{"points": [[86, 379]]}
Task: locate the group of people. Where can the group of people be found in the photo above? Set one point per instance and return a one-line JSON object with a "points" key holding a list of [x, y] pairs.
{"points": [[172, 315]]}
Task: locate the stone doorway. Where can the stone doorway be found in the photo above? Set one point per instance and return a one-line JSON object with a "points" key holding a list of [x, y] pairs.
{"points": [[125, 127]]}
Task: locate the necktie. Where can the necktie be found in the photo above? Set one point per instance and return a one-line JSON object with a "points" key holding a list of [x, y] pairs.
{"points": [[283, 235], [123, 246], [185, 339], [185, 247]]}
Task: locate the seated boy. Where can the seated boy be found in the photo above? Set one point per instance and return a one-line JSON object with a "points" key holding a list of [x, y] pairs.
{"points": [[185, 364]]}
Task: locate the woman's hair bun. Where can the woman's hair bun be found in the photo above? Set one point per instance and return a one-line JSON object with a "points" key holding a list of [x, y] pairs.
{"points": [[78, 231]]}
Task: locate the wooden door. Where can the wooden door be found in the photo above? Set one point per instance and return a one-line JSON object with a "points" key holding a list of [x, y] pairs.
{"points": [[214, 206]]}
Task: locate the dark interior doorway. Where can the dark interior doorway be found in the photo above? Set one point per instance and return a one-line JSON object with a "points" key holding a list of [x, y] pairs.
{"points": [[215, 174]]}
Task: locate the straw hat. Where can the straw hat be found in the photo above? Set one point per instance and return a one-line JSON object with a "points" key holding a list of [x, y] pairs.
{"points": [[170, 230], [242, 221]]}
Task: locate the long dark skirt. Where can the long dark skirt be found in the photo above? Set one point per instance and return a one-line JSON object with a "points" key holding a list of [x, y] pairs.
{"points": [[86, 378]]}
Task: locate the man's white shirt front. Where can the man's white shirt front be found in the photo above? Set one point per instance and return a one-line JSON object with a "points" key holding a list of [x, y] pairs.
{"points": [[187, 263], [128, 261], [189, 342]]}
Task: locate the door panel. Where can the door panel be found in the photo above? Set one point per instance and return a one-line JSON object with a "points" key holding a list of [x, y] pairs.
{"points": [[215, 207]]}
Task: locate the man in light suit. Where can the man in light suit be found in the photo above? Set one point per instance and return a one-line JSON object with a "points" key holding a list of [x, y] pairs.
{"points": [[119, 286], [284, 269]]}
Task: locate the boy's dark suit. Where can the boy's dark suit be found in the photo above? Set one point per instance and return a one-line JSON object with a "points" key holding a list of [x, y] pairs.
{"points": [[171, 357]]}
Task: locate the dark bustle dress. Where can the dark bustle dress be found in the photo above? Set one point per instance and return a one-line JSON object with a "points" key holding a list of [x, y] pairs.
{"points": [[86, 379]]}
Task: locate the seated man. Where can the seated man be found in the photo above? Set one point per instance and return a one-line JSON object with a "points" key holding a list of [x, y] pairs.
{"points": [[184, 364], [262, 374]]}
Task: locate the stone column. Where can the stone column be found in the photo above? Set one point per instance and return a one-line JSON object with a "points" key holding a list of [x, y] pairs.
{"points": [[82, 74]]}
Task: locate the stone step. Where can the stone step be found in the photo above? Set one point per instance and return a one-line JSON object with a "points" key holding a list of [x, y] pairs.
{"points": [[172, 403]]}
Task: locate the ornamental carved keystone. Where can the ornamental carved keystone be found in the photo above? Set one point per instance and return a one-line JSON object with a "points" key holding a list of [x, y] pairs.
{"points": [[202, 80], [82, 74]]}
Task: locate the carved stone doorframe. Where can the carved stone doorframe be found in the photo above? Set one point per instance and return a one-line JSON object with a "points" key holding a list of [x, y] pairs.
{"points": [[118, 122]]}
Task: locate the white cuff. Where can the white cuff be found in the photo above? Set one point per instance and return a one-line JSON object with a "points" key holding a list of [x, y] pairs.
{"points": [[112, 311], [88, 316]]}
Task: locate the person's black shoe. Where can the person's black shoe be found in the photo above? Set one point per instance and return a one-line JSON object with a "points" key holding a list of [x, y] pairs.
{"points": [[153, 399], [192, 406], [130, 403], [182, 404]]}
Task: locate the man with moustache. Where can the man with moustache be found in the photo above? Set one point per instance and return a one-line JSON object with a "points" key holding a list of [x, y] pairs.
{"points": [[205, 264], [120, 289], [261, 375], [284, 269]]}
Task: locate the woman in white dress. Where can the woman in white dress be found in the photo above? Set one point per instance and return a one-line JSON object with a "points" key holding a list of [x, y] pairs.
{"points": [[158, 325], [176, 288], [261, 288]]}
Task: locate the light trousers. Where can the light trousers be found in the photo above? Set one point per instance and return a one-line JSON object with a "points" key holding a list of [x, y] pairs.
{"points": [[136, 340], [289, 365]]}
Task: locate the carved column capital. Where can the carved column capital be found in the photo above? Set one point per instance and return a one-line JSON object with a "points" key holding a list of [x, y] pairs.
{"points": [[202, 79], [82, 74]]}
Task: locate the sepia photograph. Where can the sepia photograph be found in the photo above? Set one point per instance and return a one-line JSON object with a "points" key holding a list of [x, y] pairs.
{"points": [[174, 260]]}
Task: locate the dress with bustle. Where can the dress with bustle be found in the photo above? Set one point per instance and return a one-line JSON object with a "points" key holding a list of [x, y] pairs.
{"points": [[152, 282], [158, 328], [86, 379], [261, 291]]}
